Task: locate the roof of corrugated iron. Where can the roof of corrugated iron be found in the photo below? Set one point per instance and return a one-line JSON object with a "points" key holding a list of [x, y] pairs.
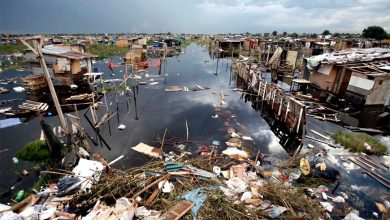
{"points": [[65, 52]]}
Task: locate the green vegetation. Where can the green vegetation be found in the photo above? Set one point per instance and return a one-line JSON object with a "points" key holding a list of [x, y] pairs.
{"points": [[12, 48], [113, 89], [34, 151], [105, 51], [355, 142], [40, 182], [375, 32]]}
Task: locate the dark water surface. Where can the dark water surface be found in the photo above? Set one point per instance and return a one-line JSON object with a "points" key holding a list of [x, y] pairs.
{"points": [[158, 110]]}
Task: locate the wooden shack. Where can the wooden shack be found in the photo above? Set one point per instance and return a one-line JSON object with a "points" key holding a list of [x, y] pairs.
{"points": [[66, 64], [364, 72]]}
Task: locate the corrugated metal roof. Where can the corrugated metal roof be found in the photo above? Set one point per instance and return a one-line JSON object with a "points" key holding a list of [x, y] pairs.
{"points": [[65, 52]]}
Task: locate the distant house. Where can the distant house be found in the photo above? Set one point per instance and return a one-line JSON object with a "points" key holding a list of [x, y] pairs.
{"points": [[363, 72], [122, 43], [66, 64]]}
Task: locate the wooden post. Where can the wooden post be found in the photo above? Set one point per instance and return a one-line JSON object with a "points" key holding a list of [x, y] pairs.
{"points": [[269, 48], [38, 52]]}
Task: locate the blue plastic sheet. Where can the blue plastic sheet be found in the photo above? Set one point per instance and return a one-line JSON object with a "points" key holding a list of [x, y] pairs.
{"points": [[9, 122], [197, 197]]}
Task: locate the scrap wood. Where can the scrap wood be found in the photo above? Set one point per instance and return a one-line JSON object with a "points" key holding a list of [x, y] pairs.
{"points": [[30, 200], [321, 135], [178, 210], [372, 174], [173, 89], [167, 176], [148, 150], [155, 193], [65, 214], [374, 164], [324, 142], [384, 166]]}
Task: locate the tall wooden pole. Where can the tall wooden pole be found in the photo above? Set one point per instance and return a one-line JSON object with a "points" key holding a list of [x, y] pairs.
{"points": [[38, 52]]}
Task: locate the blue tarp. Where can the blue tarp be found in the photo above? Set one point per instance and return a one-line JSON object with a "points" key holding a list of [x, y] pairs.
{"points": [[9, 122], [197, 197]]}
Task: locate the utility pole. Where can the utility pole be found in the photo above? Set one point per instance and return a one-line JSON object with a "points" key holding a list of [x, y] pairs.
{"points": [[38, 52]]}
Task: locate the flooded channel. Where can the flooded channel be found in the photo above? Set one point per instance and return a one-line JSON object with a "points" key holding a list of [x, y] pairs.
{"points": [[155, 111]]}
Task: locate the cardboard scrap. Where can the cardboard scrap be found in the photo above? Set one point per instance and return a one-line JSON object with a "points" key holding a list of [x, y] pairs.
{"points": [[147, 150], [173, 89]]}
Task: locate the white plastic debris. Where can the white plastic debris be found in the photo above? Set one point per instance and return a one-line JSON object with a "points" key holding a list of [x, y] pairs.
{"points": [[124, 210], [74, 86], [233, 151], [352, 216], [310, 146], [235, 135], [367, 146], [19, 89], [387, 204], [89, 171], [10, 215], [215, 116], [121, 126], [344, 195], [324, 196], [237, 184], [227, 192], [167, 187], [181, 146], [247, 138], [246, 195], [327, 206], [217, 170], [338, 199], [83, 152], [4, 207], [144, 213], [275, 211]]}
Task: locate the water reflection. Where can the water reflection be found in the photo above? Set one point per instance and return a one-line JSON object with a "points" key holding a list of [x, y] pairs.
{"points": [[157, 110]]}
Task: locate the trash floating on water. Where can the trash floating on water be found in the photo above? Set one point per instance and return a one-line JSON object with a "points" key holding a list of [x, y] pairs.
{"points": [[173, 89], [216, 143], [247, 138], [19, 89]]}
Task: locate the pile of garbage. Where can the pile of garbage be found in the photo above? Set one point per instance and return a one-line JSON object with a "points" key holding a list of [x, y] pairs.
{"points": [[204, 187]]}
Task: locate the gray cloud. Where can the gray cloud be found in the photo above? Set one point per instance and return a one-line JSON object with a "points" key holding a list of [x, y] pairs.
{"points": [[191, 16]]}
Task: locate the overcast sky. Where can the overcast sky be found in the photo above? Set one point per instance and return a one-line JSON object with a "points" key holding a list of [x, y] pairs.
{"points": [[191, 16]]}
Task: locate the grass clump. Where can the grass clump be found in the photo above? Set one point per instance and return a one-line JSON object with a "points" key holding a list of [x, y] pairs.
{"points": [[105, 51], [355, 142], [12, 48], [34, 151]]}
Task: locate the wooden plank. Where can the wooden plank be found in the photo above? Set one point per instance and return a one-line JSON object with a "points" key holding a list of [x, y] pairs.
{"points": [[178, 210], [374, 175], [372, 163], [321, 135]]}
